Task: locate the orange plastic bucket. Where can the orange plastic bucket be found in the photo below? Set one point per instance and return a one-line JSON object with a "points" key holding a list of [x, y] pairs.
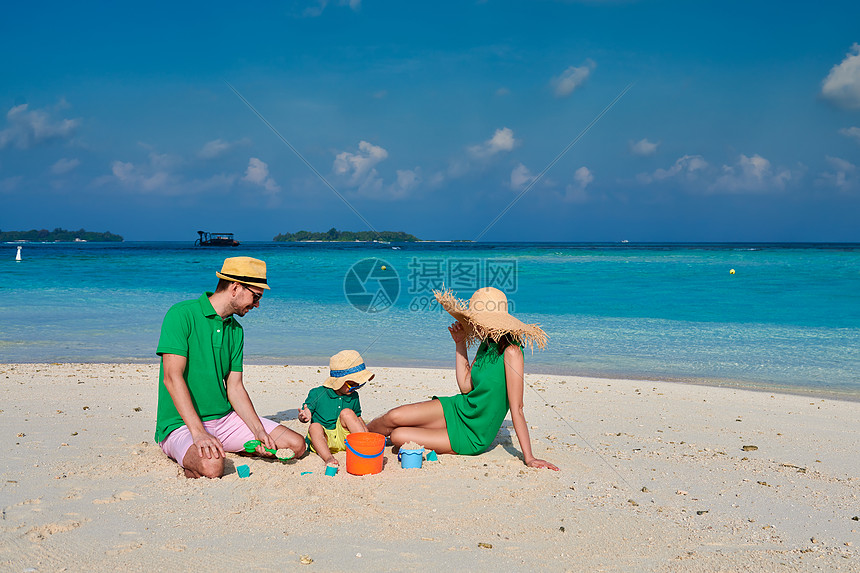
{"points": [[364, 453]]}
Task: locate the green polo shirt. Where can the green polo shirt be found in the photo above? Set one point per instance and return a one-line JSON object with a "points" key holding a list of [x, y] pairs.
{"points": [[325, 405], [213, 347]]}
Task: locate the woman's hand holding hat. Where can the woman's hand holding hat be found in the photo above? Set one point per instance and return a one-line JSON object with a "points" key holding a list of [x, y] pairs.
{"points": [[458, 333]]}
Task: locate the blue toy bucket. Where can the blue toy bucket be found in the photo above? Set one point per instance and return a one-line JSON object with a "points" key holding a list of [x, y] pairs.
{"points": [[364, 453], [411, 458]]}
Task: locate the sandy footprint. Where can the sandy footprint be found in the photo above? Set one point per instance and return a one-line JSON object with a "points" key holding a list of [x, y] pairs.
{"points": [[177, 547], [126, 548], [121, 496], [34, 501], [42, 532], [22, 509]]}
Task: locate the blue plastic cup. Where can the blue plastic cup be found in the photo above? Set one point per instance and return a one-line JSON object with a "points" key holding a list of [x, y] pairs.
{"points": [[411, 458], [331, 470], [243, 471]]}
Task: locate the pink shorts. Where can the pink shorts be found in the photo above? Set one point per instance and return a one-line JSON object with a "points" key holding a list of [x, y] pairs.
{"points": [[230, 429]]}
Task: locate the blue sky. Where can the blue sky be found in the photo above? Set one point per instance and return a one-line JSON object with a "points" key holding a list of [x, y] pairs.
{"points": [[742, 122]]}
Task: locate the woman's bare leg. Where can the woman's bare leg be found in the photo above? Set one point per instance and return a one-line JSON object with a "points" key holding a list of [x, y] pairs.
{"points": [[431, 439], [427, 415]]}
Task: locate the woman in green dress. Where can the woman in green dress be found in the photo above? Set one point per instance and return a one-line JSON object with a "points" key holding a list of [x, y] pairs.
{"points": [[492, 384]]}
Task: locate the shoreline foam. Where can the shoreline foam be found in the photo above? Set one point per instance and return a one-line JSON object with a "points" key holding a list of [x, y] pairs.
{"points": [[839, 393]]}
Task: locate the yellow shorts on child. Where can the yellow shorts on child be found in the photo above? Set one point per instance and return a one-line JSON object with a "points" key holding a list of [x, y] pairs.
{"points": [[336, 438]]}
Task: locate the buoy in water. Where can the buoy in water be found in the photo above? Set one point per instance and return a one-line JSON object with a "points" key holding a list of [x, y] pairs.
{"points": [[732, 271], [18, 254]]}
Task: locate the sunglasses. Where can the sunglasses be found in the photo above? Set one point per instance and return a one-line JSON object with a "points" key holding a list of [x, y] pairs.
{"points": [[352, 386], [257, 296]]}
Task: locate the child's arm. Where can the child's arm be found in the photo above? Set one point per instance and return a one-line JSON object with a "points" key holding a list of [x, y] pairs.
{"points": [[304, 414]]}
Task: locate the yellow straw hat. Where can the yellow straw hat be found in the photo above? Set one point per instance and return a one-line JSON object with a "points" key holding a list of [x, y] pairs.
{"points": [[347, 365], [486, 316], [244, 270]]}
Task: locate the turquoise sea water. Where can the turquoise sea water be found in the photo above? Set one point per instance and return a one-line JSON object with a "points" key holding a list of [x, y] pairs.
{"points": [[789, 318]]}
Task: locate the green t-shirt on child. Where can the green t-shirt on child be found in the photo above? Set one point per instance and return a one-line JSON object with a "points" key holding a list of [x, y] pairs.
{"points": [[325, 405]]}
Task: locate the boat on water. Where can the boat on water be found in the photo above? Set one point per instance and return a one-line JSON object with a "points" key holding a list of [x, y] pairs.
{"points": [[215, 240]]}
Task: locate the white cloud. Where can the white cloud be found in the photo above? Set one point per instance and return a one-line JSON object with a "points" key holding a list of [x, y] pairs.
{"points": [[643, 148], [753, 174], [520, 177], [407, 180], [571, 78], [258, 174], [64, 166], [575, 192], [852, 132], [164, 161], [583, 177], [842, 84], [359, 168], [685, 167], [320, 6], [159, 176], [147, 180], [503, 92], [27, 128], [357, 171], [842, 176], [217, 147], [122, 170], [502, 140], [212, 149]]}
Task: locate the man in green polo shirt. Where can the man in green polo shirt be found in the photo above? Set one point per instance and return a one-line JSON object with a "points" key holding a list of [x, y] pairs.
{"points": [[203, 407]]}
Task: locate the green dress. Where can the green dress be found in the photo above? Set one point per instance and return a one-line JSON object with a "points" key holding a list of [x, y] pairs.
{"points": [[474, 419]]}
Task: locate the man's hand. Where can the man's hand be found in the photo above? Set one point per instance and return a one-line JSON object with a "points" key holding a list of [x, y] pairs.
{"points": [[304, 414], [266, 441], [208, 446]]}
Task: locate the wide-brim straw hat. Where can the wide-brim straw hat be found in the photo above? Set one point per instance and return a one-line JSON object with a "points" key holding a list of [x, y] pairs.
{"points": [[347, 365], [245, 270], [486, 315]]}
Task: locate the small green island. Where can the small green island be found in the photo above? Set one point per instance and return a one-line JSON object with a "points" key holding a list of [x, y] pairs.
{"points": [[60, 235], [333, 235]]}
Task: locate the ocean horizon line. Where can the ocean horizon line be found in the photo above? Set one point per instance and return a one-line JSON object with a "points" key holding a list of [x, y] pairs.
{"points": [[850, 244]]}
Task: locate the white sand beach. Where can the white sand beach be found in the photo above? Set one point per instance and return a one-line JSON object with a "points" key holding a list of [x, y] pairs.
{"points": [[654, 476]]}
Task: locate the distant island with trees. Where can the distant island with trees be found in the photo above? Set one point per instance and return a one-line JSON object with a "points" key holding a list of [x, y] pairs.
{"points": [[61, 235], [333, 235]]}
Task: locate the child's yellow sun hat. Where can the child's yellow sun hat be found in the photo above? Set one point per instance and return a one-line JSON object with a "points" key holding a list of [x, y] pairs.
{"points": [[347, 365]]}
